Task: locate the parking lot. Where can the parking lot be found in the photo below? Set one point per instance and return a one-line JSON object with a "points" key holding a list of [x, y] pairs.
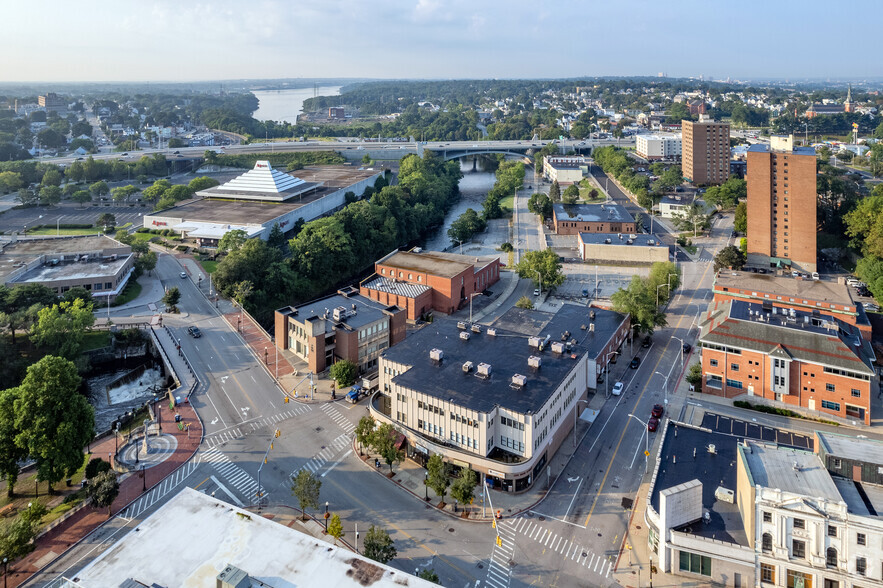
{"points": [[725, 424], [69, 214], [583, 277]]}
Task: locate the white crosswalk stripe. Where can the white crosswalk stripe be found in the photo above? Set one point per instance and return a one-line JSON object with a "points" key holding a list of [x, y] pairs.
{"points": [[338, 418], [568, 549], [498, 572], [238, 478], [325, 455], [271, 420], [157, 492]]}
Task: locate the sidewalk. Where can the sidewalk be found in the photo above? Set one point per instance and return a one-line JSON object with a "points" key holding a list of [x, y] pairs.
{"points": [[54, 543]]}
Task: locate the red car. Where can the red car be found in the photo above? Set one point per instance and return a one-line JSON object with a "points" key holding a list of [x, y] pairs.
{"points": [[657, 411], [652, 424]]}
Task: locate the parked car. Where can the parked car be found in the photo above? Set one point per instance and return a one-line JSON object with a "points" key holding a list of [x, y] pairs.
{"points": [[617, 388], [872, 307], [653, 424], [815, 276], [657, 411], [636, 361], [687, 347], [183, 274], [646, 342], [536, 291], [194, 332]]}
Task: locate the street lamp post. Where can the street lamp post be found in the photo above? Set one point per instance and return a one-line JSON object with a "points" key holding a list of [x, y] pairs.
{"points": [[607, 378], [57, 225], [426, 485], [326, 517], [682, 350], [646, 443], [669, 281], [657, 293], [143, 479], [664, 386], [5, 564]]}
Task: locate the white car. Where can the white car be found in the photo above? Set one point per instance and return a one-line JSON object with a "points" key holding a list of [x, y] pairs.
{"points": [[617, 388], [872, 307], [536, 291]]}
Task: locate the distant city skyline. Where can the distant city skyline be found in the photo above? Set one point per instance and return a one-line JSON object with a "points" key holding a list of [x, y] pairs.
{"points": [[162, 40]]}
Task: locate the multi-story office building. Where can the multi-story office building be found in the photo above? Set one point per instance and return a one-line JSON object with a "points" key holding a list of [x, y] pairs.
{"points": [[573, 219], [706, 151], [564, 169], [782, 198], [658, 147]]}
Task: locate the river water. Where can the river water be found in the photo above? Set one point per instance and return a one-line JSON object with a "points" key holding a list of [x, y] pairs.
{"points": [[285, 105], [473, 190]]}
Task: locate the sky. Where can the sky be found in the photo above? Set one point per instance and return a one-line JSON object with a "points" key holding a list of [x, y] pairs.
{"points": [[188, 40]]}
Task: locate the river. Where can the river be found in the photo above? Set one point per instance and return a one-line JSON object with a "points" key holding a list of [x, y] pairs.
{"points": [[473, 190], [285, 105]]}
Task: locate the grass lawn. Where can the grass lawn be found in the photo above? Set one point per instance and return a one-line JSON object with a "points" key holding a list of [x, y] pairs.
{"points": [[25, 489], [50, 231], [143, 236], [508, 203], [130, 293], [209, 266], [96, 340]]}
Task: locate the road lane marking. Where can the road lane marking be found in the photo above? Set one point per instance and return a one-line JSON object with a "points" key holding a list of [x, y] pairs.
{"points": [[334, 465]]}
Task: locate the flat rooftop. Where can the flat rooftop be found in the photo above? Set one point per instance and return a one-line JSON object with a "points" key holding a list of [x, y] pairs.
{"points": [[98, 270], [609, 212], [677, 465], [851, 493], [243, 212], [366, 311], [790, 470], [434, 263], [765, 148], [204, 535], [335, 176], [866, 450], [800, 290], [641, 240], [507, 352], [389, 286], [24, 250]]}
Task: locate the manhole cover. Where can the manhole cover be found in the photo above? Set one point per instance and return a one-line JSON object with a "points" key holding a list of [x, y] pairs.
{"points": [[638, 527], [530, 515], [585, 554], [480, 566], [323, 447], [451, 530], [318, 429], [599, 534], [512, 563], [541, 518]]}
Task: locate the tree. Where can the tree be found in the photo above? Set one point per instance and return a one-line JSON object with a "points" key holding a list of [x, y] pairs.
{"points": [[466, 225], [61, 328], [694, 375], [50, 138], [96, 466], [638, 301], [99, 188], [379, 545], [728, 194], [81, 196], [106, 219], [103, 490], [202, 183], [27, 197], [11, 454], [543, 267], [10, 181], [335, 527], [664, 272], [277, 239], [554, 191], [383, 441], [78, 293], [344, 372], [54, 420], [740, 221], [17, 535], [540, 204], [122, 193], [463, 487], [571, 194], [366, 159], [305, 488], [693, 218], [124, 237], [232, 240], [147, 261], [156, 191], [50, 195], [729, 258], [171, 298], [524, 302], [364, 430], [242, 291], [429, 575], [439, 475], [506, 247]]}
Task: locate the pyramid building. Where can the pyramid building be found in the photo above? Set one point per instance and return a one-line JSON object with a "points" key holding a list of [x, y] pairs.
{"points": [[263, 183]]}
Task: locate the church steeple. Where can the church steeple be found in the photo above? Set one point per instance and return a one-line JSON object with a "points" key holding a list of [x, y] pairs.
{"points": [[847, 106]]}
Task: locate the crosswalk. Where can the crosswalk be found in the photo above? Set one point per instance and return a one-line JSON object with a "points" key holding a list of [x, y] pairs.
{"points": [[321, 458], [535, 531], [338, 418], [166, 486], [238, 478], [221, 437], [499, 570]]}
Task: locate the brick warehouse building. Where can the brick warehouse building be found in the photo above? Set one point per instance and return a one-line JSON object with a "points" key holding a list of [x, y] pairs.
{"points": [[782, 198], [342, 326], [573, 219], [800, 359], [705, 149], [422, 281]]}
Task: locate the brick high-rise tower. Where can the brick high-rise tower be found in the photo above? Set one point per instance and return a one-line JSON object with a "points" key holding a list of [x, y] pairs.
{"points": [[782, 205], [705, 151]]}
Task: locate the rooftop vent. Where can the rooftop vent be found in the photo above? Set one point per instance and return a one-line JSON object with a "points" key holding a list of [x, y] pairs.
{"points": [[706, 518], [558, 347], [476, 328], [795, 466], [607, 241], [534, 341], [535, 361], [725, 495], [519, 381], [629, 242], [464, 336], [712, 449], [591, 327], [484, 370], [545, 342], [436, 354], [651, 242], [492, 332], [592, 314], [467, 367], [619, 235], [461, 325]]}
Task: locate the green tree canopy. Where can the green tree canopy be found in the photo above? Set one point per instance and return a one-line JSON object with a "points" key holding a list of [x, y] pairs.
{"points": [[50, 195], [540, 204], [344, 372], [103, 490], [378, 545], [467, 224], [363, 431], [438, 475], [383, 441], [11, 453], [55, 421], [99, 188], [17, 535], [202, 183], [638, 301], [728, 194], [305, 488], [463, 488], [543, 267], [571, 194], [335, 527], [730, 257], [172, 297], [61, 328], [740, 221], [555, 191]]}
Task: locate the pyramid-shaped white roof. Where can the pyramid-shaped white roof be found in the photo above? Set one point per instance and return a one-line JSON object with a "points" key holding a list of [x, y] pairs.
{"points": [[264, 179]]}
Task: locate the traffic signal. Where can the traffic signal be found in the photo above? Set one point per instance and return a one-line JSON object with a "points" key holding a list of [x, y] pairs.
{"points": [[499, 541], [494, 524], [285, 401], [271, 445], [278, 433]]}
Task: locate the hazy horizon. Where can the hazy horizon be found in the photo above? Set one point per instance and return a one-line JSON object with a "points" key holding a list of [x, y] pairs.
{"points": [[234, 40]]}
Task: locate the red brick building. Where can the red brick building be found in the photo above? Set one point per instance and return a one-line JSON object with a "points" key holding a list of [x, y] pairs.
{"points": [[343, 326], [798, 359], [705, 151], [573, 219], [429, 280], [782, 197]]}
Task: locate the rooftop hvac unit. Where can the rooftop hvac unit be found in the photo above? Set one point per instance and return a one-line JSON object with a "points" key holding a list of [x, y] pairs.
{"points": [[558, 347], [534, 341], [467, 367], [492, 332], [725, 495], [792, 313], [519, 380], [464, 336], [633, 236], [629, 242], [712, 449], [651, 242], [607, 241], [484, 369], [461, 325], [339, 313], [476, 328], [436, 354], [534, 361]]}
